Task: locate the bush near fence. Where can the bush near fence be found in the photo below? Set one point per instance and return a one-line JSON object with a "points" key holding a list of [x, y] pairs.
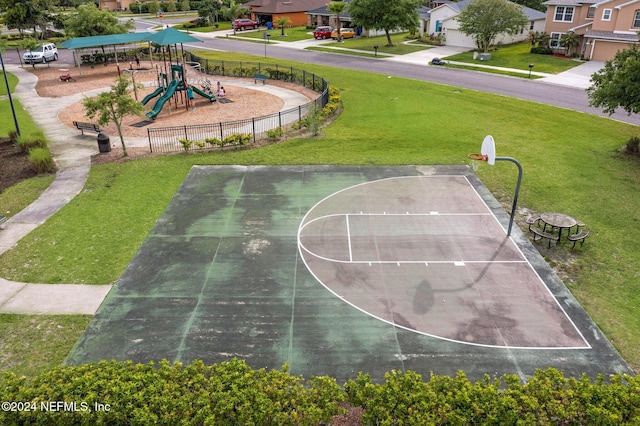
{"points": [[168, 139]]}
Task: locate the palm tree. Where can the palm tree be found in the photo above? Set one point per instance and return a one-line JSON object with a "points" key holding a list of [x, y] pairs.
{"points": [[569, 40], [337, 7], [282, 22], [234, 11]]}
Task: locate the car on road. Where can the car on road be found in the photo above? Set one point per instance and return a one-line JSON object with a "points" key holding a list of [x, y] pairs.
{"points": [[245, 24], [322, 33], [42, 53], [344, 33]]}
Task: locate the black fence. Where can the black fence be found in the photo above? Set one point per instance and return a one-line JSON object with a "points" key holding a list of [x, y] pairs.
{"points": [[240, 132]]}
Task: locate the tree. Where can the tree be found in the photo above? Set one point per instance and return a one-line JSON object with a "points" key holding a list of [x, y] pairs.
{"points": [[569, 40], [114, 105], [91, 21], [484, 20], [209, 10], [617, 84], [26, 14], [282, 22], [234, 11], [386, 15], [186, 7], [337, 7]]}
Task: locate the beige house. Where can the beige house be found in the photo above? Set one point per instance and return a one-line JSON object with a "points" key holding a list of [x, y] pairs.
{"points": [[603, 27], [116, 4]]}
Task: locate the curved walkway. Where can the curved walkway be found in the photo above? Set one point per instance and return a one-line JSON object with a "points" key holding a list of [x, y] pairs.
{"points": [[72, 152]]}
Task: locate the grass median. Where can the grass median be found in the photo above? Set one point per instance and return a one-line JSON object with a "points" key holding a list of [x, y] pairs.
{"points": [[572, 164]]}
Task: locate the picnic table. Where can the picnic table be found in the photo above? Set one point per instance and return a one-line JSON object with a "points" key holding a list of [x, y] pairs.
{"points": [[551, 225], [559, 221]]}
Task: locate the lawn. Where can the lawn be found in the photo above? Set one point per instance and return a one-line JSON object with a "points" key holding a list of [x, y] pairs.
{"points": [[517, 56], [290, 34], [392, 121]]}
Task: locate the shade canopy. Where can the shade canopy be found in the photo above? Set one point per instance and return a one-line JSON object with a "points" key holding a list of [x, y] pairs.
{"points": [[171, 36], [105, 40]]}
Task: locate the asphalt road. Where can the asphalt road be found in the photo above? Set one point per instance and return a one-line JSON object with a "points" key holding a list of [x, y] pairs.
{"points": [[532, 90]]}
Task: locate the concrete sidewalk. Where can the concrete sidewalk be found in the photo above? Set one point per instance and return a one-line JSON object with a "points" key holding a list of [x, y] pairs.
{"points": [[72, 152]]}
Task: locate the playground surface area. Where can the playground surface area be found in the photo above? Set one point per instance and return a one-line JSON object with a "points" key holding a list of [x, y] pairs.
{"points": [[247, 101], [340, 270]]}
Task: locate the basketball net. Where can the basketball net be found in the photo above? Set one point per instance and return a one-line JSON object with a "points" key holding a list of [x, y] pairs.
{"points": [[476, 160]]}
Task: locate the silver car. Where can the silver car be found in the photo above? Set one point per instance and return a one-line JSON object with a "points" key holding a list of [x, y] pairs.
{"points": [[41, 54]]}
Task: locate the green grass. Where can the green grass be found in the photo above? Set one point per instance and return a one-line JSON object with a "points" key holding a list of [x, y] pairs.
{"points": [[517, 56], [342, 50], [571, 164], [31, 344], [494, 71], [290, 34], [400, 44], [7, 124], [15, 198], [13, 81]]}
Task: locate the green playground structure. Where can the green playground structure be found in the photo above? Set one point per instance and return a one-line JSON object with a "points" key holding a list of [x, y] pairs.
{"points": [[165, 93]]}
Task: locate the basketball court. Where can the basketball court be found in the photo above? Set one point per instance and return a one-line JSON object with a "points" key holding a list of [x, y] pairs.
{"points": [[337, 270]]}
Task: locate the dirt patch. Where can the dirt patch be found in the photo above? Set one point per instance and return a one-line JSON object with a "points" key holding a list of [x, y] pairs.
{"points": [[14, 165]]}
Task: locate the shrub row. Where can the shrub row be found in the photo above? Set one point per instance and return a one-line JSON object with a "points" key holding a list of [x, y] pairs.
{"points": [[121, 393], [231, 393], [547, 398], [35, 143]]}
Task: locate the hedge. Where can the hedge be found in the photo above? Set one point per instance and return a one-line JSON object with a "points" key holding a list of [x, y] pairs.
{"points": [[231, 393]]}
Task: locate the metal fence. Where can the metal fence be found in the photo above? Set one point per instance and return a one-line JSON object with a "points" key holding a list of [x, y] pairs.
{"points": [[206, 136]]}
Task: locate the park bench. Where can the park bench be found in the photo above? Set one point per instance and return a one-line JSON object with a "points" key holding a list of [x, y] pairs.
{"points": [[82, 126], [540, 233], [259, 77], [3, 219], [578, 236]]}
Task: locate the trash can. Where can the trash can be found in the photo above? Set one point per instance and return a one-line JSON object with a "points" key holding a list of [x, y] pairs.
{"points": [[104, 145]]}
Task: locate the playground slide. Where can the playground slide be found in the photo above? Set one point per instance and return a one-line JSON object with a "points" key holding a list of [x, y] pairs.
{"points": [[157, 107], [152, 95], [212, 98]]}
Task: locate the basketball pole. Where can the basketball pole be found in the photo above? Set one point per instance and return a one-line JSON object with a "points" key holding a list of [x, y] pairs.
{"points": [[515, 197]]}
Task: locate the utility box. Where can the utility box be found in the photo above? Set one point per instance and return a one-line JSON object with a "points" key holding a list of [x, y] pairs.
{"points": [[484, 56]]}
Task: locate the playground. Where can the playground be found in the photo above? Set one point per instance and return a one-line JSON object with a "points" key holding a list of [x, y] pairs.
{"points": [[245, 98]]}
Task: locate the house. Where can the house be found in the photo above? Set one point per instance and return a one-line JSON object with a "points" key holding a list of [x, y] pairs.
{"points": [[271, 10], [444, 21], [603, 27], [116, 4]]}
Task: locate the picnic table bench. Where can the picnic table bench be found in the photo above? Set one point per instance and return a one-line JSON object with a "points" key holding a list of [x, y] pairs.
{"points": [[82, 126], [578, 236], [259, 77], [540, 233]]}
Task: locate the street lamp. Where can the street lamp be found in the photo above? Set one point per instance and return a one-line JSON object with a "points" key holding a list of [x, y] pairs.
{"points": [[6, 82]]}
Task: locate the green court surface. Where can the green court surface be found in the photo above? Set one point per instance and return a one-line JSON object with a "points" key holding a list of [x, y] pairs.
{"points": [[340, 270]]}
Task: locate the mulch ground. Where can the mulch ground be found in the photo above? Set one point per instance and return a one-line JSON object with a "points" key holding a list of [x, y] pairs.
{"points": [[14, 164]]}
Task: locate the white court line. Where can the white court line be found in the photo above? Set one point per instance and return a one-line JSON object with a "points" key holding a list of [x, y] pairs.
{"points": [[489, 212]]}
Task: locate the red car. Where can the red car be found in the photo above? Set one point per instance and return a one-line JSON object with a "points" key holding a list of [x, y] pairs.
{"points": [[245, 24], [322, 33]]}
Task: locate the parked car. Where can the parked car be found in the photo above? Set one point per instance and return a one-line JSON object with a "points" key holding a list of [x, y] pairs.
{"points": [[344, 33], [42, 53], [322, 33], [245, 24]]}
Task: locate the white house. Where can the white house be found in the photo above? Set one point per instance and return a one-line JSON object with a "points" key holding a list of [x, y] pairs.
{"points": [[444, 20]]}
